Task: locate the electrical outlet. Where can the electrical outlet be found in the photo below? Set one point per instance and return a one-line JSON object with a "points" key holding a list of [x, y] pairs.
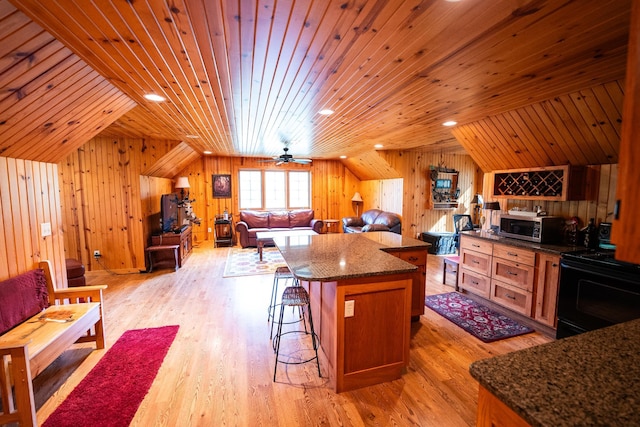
{"points": [[97, 254], [349, 308], [209, 229]]}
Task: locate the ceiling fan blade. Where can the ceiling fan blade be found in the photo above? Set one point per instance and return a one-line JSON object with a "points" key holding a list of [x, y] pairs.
{"points": [[302, 161], [280, 162]]}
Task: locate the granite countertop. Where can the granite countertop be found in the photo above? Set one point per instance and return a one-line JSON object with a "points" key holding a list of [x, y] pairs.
{"points": [[592, 379], [555, 249], [338, 256]]}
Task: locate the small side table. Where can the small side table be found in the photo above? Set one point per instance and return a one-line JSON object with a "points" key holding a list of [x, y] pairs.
{"points": [[332, 225], [223, 233]]}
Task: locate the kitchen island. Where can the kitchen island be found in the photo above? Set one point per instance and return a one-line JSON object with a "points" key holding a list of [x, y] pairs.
{"points": [[592, 379], [361, 297]]}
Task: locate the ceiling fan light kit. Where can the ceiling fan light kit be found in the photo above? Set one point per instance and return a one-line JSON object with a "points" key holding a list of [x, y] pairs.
{"points": [[287, 158]]}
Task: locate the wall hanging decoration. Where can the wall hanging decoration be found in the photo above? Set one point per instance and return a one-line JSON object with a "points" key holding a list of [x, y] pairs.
{"points": [[222, 186]]}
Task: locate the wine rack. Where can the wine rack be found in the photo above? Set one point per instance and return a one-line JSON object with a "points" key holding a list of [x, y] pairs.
{"points": [[550, 183]]}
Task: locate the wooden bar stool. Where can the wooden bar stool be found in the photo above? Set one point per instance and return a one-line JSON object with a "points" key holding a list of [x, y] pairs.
{"points": [[281, 273], [450, 267], [295, 296]]}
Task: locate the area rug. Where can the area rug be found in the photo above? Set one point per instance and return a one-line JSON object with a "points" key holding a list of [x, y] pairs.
{"points": [[111, 393], [480, 321], [246, 262]]}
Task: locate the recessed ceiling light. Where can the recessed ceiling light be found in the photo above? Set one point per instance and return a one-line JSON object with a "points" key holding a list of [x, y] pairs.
{"points": [[154, 97], [326, 112], [450, 123], [378, 146], [208, 152], [343, 157]]}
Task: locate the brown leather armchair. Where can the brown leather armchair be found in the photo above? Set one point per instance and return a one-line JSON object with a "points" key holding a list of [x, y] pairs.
{"points": [[372, 220]]}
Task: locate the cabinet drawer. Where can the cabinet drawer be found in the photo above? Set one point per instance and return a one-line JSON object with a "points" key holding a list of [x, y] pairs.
{"points": [[512, 253], [477, 245], [476, 261], [511, 297], [474, 282], [418, 258], [513, 273]]}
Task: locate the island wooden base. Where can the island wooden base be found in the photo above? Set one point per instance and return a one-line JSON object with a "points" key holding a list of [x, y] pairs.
{"points": [[492, 412], [372, 346]]}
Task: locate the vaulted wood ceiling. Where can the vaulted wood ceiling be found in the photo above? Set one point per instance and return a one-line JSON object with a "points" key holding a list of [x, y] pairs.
{"points": [[530, 82]]}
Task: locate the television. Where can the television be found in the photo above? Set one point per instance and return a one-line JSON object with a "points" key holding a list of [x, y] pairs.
{"points": [[168, 212]]}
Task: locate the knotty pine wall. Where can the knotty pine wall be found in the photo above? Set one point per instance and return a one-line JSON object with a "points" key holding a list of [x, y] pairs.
{"points": [[29, 196], [414, 166], [333, 186], [108, 205], [103, 203]]}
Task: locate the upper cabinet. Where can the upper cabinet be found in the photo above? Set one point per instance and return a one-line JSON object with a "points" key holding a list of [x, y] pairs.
{"points": [[626, 227], [556, 183]]}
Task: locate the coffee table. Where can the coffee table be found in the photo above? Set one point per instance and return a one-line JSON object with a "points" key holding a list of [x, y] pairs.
{"points": [[263, 237]]}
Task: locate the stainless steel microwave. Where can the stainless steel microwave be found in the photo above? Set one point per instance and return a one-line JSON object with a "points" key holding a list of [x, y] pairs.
{"points": [[541, 229]]}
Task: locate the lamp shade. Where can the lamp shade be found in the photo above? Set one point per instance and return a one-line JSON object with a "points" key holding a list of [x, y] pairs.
{"points": [[491, 206], [182, 182], [356, 197]]}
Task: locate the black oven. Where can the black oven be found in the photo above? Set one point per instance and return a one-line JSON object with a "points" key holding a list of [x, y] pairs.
{"points": [[596, 291]]}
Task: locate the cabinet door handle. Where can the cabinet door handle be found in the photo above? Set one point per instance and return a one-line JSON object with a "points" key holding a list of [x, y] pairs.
{"points": [[413, 258], [510, 296], [512, 273], [475, 246], [554, 265], [474, 282], [475, 262], [511, 254]]}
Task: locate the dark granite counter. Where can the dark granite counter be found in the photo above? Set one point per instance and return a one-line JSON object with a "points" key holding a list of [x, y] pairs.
{"points": [[555, 249], [592, 379], [338, 256]]}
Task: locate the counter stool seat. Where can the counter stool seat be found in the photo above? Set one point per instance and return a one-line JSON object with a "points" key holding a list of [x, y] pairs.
{"points": [[295, 296], [281, 273]]}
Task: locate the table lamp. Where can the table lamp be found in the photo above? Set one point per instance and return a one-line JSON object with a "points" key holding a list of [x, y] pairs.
{"points": [[491, 206], [182, 183]]}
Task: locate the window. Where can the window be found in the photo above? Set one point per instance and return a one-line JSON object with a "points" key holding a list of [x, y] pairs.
{"points": [[271, 189]]}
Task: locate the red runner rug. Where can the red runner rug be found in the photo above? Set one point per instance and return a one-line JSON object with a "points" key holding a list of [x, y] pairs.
{"points": [[112, 392], [480, 321]]}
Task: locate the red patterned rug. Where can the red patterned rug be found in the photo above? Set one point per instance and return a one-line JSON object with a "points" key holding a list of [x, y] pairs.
{"points": [[480, 321], [112, 392]]}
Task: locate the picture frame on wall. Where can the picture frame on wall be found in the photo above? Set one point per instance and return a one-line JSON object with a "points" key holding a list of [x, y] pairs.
{"points": [[222, 186]]}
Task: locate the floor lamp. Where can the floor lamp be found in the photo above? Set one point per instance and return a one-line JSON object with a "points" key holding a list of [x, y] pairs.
{"points": [[357, 199]]}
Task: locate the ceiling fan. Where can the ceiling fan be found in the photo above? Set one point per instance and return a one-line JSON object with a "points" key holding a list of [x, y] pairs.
{"points": [[287, 158]]}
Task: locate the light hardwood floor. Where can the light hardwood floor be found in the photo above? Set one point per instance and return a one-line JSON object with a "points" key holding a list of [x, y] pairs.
{"points": [[219, 369]]}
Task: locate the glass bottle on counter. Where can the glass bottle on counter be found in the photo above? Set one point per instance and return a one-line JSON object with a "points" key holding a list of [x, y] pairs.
{"points": [[590, 235]]}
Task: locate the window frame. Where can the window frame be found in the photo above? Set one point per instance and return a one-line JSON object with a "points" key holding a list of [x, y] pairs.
{"points": [[287, 198]]}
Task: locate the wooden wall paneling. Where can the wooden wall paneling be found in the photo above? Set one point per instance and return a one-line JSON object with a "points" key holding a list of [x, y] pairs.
{"points": [[28, 193], [6, 240], [102, 180]]}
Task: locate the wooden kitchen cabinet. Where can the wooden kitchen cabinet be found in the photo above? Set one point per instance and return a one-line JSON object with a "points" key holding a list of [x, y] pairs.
{"points": [[626, 227], [546, 291], [419, 259], [475, 266], [557, 183], [520, 279]]}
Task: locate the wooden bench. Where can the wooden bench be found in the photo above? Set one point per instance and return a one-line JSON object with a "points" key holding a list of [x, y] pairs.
{"points": [[160, 248], [28, 348]]}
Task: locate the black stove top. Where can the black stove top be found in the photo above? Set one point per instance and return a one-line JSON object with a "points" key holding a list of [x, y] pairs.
{"points": [[603, 258]]}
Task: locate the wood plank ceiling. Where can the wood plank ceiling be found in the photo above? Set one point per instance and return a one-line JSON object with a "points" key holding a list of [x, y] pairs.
{"points": [[530, 82]]}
